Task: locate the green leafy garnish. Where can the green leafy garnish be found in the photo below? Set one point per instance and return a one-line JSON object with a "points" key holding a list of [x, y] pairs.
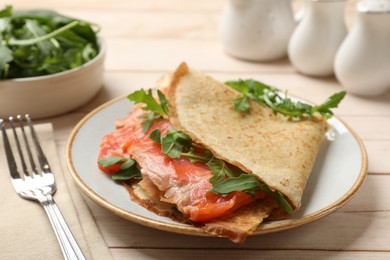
{"points": [[279, 198], [155, 135], [111, 160], [194, 157], [244, 182], [249, 184], [148, 120], [332, 102], [242, 104], [42, 42], [270, 97], [219, 170], [151, 104], [128, 169], [173, 143], [156, 110]]}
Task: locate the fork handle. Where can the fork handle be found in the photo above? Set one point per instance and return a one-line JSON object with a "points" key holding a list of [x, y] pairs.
{"points": [[68, 244]]}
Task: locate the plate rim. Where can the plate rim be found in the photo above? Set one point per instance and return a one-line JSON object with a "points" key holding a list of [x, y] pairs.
{"points": [[192, 230]]}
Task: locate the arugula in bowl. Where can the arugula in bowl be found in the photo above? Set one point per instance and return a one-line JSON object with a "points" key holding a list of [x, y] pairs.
{"points": [[43, 42]]}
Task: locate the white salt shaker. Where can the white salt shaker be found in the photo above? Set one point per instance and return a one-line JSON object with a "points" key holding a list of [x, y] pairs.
{"points": [[257, 30], [362, 63], [315, 41]]}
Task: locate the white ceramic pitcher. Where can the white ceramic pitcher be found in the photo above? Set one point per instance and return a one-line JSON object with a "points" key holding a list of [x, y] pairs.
{"points": [[257, 30], [315, 41], [362, 63]]}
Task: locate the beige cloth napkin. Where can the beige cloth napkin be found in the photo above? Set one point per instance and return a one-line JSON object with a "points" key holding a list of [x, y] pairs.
{"points": [[25, 231]]}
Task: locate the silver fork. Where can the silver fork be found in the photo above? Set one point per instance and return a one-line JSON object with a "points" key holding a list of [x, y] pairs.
{"points": [[37, 183]]}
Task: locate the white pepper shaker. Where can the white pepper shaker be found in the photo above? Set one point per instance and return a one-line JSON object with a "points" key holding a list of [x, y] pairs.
{"points": [[315, 41], [362, 63], [257, 30]]}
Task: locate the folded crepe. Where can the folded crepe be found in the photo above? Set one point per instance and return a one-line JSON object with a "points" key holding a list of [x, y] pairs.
{"points": [[278, 151]]}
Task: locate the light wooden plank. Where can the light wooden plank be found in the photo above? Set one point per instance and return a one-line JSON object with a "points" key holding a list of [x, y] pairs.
{"points": [[62, 126], [372, 196], [378, 154], [375, 128], [153, 55], [153, 25], [224, 254], [121, 5]]}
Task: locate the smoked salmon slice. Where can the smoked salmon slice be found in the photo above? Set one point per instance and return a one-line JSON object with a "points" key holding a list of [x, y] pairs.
{"points": [[181, 182]]}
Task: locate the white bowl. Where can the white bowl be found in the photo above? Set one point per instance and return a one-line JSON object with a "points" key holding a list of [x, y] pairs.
{"points": [[55, 94]]}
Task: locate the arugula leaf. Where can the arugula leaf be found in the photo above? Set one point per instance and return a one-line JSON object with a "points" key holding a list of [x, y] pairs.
{"points": [[244, 182], [5, 58], [111, 160], [269, 96], [157, 110], [250, 184], [291, 108], [193, 156], [128, 164], [219, 170], [332, 102], [279, 198], [127, 174], [175, 142], [242, 104], [149, 119], [128, 169], [163, 102], [239, 85], [6, 12], [251, 89], [155, 135], [141, 96], [172, 144]]}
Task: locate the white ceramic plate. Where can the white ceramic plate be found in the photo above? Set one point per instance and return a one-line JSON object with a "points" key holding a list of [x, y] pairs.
{"points": [[339, 170]]}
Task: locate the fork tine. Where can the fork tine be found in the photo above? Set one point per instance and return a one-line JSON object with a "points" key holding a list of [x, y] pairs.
{"points": [[27, 144], [41, 156], [10, 157], [18, 147]]}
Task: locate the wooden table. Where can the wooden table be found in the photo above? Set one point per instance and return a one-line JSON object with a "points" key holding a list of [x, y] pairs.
{"points": [[145, 39]]}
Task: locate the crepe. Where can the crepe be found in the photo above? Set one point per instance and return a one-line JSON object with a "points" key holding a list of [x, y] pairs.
{"points": [[278, 151]]}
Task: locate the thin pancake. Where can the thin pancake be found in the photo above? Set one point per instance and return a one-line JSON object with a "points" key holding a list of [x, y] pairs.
{"points": [[279, 152]]}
